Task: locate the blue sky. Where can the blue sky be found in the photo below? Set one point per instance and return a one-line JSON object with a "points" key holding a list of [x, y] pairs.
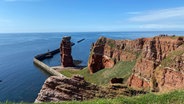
{"points": [[91, 15]]}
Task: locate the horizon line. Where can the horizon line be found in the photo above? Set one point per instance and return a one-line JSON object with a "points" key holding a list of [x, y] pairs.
{"points": [[95, 31]]}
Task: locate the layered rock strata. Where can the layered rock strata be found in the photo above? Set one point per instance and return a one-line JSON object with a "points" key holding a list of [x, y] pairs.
{"points": [[57, 89], [170, 74], [105, 53], [60, 89], [65, 52], [161, 54], [155, 51]]}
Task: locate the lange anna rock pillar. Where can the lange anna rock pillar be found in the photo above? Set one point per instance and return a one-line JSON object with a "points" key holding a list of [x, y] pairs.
{"points": [[65, 52]]}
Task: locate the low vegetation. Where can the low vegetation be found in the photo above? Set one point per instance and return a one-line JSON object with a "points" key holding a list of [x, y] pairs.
{"points": [[120, 70], [175, 97]]}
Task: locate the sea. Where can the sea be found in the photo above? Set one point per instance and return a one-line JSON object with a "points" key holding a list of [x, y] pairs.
{"points": [[21, 80]]}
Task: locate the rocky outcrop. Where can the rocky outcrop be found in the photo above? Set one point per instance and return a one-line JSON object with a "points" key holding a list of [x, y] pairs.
{"points": [[65, 52], [56, 89], [59, 89], [168, 79], [155, 51], [105, 53], [152, 55], [170, 74]]}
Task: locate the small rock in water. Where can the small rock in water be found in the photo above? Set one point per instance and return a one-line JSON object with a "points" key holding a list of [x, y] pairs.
{"points": [[0, 80]]}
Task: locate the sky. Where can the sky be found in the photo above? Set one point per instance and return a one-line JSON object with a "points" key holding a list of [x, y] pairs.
{"points": [[91, 15]]}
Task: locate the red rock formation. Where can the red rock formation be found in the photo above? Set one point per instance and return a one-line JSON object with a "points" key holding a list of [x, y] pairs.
{"points": [[65, 89], [59, 89], [170, 74], [154, 51], [65, 51], [106, 52], [138, 83], [168, 79]]}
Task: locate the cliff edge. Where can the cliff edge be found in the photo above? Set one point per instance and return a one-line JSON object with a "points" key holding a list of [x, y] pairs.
{"points": [[159, 60]]}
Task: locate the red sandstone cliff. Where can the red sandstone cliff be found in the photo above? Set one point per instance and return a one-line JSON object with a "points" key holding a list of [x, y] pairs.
{"points": [[154, 54], [159, 65], [106, 52]]}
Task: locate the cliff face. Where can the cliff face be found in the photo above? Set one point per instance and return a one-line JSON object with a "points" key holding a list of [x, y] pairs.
{"points": [[105, 53], [157, 57], [65, 52], [170, 74], [154, 51]]}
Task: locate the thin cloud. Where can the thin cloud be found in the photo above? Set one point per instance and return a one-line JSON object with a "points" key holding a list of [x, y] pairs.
{"points": [[157, 15]]}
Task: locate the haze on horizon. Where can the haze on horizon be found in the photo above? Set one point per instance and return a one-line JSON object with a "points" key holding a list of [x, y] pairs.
{"points": [[90, 15]]}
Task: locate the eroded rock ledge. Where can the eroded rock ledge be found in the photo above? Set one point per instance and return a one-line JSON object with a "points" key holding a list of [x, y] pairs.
{"points": [[59, 89]]}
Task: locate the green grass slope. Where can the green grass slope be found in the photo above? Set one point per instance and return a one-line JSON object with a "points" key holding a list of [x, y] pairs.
{"points": [[102, 77]]}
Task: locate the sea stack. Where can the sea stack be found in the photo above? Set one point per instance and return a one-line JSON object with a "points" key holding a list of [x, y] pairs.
{"points": [[65, 52]]}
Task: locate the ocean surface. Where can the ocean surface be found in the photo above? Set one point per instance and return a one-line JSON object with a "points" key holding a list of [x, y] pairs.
{"points": [[21, 80]]}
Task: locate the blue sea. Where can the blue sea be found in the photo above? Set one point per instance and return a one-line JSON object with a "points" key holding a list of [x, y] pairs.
{"points": [[21, 80]]}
